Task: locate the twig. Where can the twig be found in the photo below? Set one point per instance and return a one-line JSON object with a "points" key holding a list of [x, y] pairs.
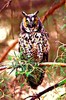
{"points": [[5, 54], [1, 91], [57, 55], [37, 96], [61, 43], [52, 9], [6, 5], [3, 67]]}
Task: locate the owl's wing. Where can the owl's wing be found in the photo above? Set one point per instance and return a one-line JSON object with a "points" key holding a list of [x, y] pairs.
{"points": [[46, 45], [46, 34]]}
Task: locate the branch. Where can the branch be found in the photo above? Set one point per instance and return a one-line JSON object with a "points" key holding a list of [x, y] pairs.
{"points": [[6, 5], [3, 67], [37, 96], [7, 51], [52, 9], [52, 63]]}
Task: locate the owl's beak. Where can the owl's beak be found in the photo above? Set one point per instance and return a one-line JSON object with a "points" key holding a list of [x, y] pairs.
{"points": [[31, 25]]}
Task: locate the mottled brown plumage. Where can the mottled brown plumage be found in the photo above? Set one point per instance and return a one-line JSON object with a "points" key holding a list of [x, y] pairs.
{"points": [[33, 40]]}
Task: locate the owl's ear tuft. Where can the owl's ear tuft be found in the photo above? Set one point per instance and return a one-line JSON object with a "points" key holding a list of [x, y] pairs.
{"points": [[35, 14], [24, 13]]}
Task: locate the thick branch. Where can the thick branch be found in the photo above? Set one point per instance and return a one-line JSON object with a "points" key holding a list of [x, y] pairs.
{"points": [[52, 9], [52, 63], [5, 54], [41, 64]]}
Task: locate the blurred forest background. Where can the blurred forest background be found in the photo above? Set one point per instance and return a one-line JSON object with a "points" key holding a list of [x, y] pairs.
{"points": [[52, 13], [11, 17]]}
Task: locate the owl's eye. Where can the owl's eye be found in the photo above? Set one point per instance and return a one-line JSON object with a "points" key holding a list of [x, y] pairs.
{"points": [[27, 19], [35, 21], [32, 18]]}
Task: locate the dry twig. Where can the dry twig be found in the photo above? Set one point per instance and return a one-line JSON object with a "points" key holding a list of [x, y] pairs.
{"points": [[1, 91]]}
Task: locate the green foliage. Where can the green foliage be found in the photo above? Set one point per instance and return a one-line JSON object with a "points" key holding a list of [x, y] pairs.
{"points": [[22, 84], [64, 26], [32, 72], [62, 48], [55, 71], [60, 60], [62, 82], [62, 56], [62, 97], [27, 67], [62, 71], [9, 57]]}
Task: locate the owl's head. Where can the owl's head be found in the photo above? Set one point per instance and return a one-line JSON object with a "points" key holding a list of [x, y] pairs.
{"points": [[30, 21]]}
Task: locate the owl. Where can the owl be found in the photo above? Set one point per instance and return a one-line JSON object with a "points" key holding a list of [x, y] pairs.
{"points": [[33, 38]]}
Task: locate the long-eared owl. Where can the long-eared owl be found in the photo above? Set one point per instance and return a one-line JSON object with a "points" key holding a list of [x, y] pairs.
{"points": [[33, 38]]}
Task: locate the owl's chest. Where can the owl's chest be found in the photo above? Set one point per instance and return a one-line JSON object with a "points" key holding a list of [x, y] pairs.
{"points": [[34, 45], [32, 40]]}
